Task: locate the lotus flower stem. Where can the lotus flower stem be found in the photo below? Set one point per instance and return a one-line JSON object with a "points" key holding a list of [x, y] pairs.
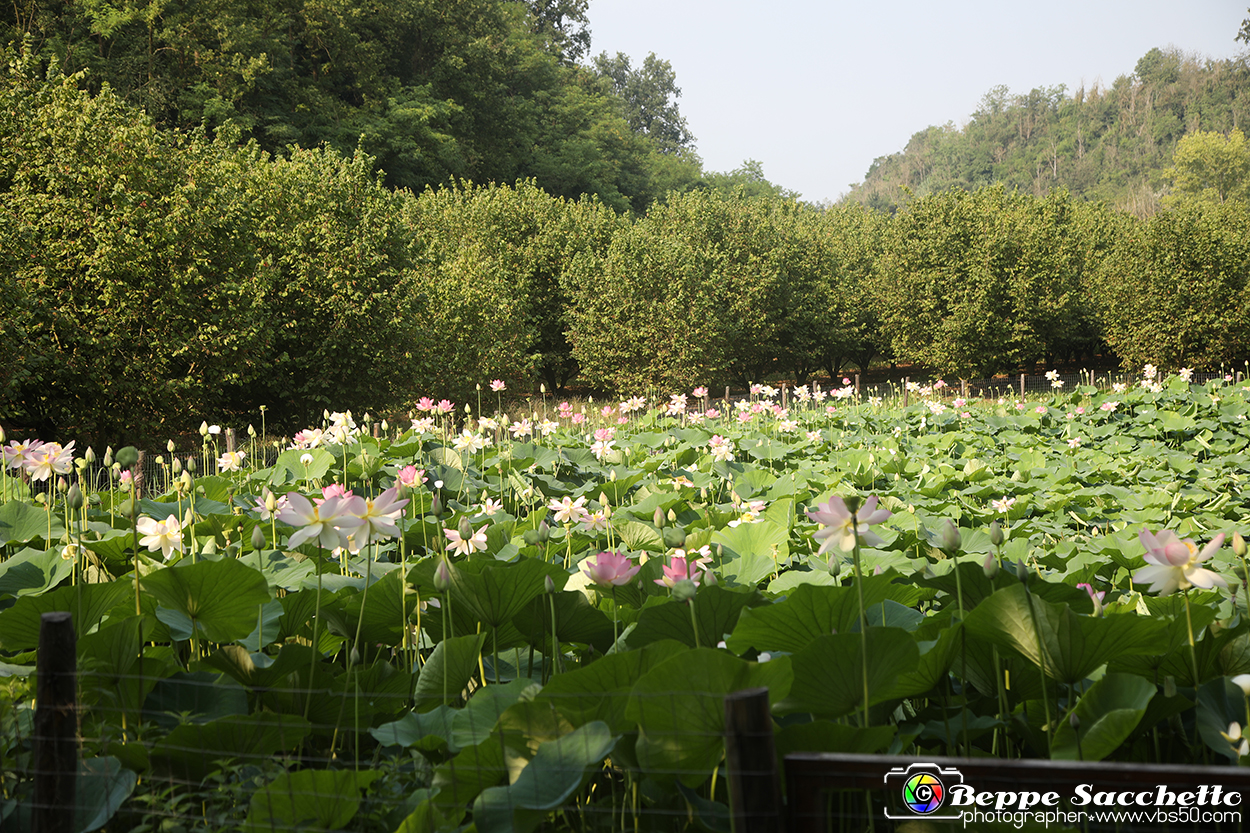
{"points": [[1193, 652], [312, 664], [863, 615], [1041, 658]]}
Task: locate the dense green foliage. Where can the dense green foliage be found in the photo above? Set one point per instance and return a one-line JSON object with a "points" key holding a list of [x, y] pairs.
{"points": [[156, 278], [1102, 143], [538, 630], [484, 90]]}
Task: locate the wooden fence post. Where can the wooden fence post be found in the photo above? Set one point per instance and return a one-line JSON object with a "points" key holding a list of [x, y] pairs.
{"points": [[230, 440], [906, 380], [55, 736], [857, 389], [137, 479], [751, 759], [1021, 387]]}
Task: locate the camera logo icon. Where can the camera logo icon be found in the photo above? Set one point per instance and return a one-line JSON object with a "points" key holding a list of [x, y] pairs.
{"points": [[924, 789]]}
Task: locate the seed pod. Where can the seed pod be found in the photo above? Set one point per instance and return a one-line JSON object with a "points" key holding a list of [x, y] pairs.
{"points": [[684, 590]]}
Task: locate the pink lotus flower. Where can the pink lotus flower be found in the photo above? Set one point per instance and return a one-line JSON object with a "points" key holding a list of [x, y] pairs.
{"points": [[333, 490], [711, 413], [607, 411], [841, 526], [378, 516], [1174, 564], [610, 569], [579, 418], [678, 569], [497, 385], [15, 452], [700, 392], [475, 542], [568, 510], [328, 522], [425, 404], [1096, 595], [605, 434], [411, 476], [445, 406], [46, 459]]}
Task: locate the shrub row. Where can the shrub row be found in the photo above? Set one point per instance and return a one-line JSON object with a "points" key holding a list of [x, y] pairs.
{"points": [[150, 280]]}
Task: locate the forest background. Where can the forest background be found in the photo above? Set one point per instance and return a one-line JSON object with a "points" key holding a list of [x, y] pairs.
{"points": [[215, 207]]}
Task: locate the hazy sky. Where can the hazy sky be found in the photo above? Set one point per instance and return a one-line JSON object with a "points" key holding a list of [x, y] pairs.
{"points": [[817, 89]]}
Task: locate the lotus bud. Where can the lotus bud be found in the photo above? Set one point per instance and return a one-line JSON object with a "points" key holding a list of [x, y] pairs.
{"points": [[658, 518], [542, 389], [108, 456], [1169, 686], [468, 409], [127, 508], [186, 481], [385, 426], [1074, 722], [1022, 571], [1097, 614], [990, 566], [436, 506], [951, 539], [73, 497], [709, 579], [996, 534], [128, 456], [81, 464], [1, 435], [251, 431], [192, 465], [835, 566], [258, 538], [549, 586], [88, 455], [479, 385], [169, 446], [62, 485], [442, 576], [175, 466], [603, 500], [544, 532], [1239, 571], [1242, 681], [204, 429], [325, 414], [612, 475], [530, 537], [271, 502], [160, 459], [1239, 545], [684, 590], [466, 528]]}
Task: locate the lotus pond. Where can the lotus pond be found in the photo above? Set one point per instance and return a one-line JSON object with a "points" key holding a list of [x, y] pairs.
{"points": [[509, 622]]}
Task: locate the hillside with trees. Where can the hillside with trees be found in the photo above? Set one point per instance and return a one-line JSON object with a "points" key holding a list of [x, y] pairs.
{"points": [[1109, 143]]}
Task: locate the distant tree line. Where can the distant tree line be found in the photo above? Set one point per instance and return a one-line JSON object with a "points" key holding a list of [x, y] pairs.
{"points": [[1099, 143], [151, 279]]}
